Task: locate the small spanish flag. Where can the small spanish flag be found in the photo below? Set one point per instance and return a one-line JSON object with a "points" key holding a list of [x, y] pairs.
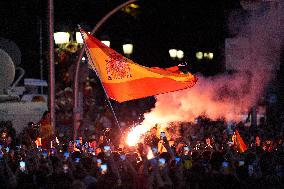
{"points": [[125, 80], [238, 142]]}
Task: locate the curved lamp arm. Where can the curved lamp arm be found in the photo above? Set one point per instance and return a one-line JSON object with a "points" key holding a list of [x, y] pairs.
{"points": [[76, 79]]}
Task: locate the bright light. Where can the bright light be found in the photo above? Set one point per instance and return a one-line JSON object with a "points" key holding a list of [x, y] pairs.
{"points": [[127, 49], [209, 55], [136, 133], [79, 38], [173, 53], [107, 43], [134, 136], [83, 58], [61, 37], [199, 55], [180, 54]]}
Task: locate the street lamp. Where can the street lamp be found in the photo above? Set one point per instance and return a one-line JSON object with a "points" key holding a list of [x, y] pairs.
{"points": [[127, 49], [180, 54], [79, 38], [173, 53], [76, 112], [61, 38], [106, 42], [199, 55], [209, 55]]}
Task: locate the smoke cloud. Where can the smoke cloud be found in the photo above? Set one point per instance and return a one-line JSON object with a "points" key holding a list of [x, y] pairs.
{"points": [[229, 95]]}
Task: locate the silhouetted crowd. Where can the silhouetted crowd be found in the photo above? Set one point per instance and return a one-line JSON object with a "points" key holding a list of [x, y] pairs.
{"points": [[184, 155]]}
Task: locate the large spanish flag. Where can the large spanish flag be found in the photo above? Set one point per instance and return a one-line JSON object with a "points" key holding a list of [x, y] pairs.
{"points": [[125, 80], [239, 142]]}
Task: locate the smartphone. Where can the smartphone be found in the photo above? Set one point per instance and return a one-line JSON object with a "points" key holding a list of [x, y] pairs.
{"points": [[162, 161], [66, 155], [106, 148], [90, 150], [22, 165], [122, 157], [162, 135], [104, 168], [44, 154], [225, 164], [78, 144], [186, 148], [177, 159], [7, 149], [99, 162], [77, 160], [241, 163]]}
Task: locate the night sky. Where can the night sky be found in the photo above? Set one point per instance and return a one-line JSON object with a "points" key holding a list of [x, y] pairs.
{"points": [[157, 26]]}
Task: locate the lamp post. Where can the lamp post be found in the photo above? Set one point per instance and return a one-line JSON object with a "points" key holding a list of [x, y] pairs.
{"points": [[76, 112], [199, 55], [174, 53], [106, 42], [206, 55], [180, 54], [51, 80], [61, 38], [127, 49]]}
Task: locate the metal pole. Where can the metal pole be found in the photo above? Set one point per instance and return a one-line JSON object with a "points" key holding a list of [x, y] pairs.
{"points": [[109, 103], [40, 54], [51, 65], [76, 112]]}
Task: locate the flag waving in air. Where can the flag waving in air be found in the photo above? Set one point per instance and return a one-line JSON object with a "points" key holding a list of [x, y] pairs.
{"points": [[125, 80], [238, 142]]}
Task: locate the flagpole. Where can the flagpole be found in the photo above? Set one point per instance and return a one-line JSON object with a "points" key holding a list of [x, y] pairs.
{"points": [[107, 97], [77, 64], [51, 80]]}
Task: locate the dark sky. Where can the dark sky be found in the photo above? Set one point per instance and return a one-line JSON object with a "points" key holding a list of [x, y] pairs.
{"points": [[190, 25]]}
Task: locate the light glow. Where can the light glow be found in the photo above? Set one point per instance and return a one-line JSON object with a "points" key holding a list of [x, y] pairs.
{"points": [[173, 53], [210, 55], [107, 43], [61, 37], [79, 38], [127, 49], [199, 55], [136, 133], [180, 54]]}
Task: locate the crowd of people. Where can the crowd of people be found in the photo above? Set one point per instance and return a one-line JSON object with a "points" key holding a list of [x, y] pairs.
{"points": [[185, 155]]}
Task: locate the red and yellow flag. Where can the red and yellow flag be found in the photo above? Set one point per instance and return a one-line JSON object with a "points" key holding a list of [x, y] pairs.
{"points": [[125, 80], [238, 141]]}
